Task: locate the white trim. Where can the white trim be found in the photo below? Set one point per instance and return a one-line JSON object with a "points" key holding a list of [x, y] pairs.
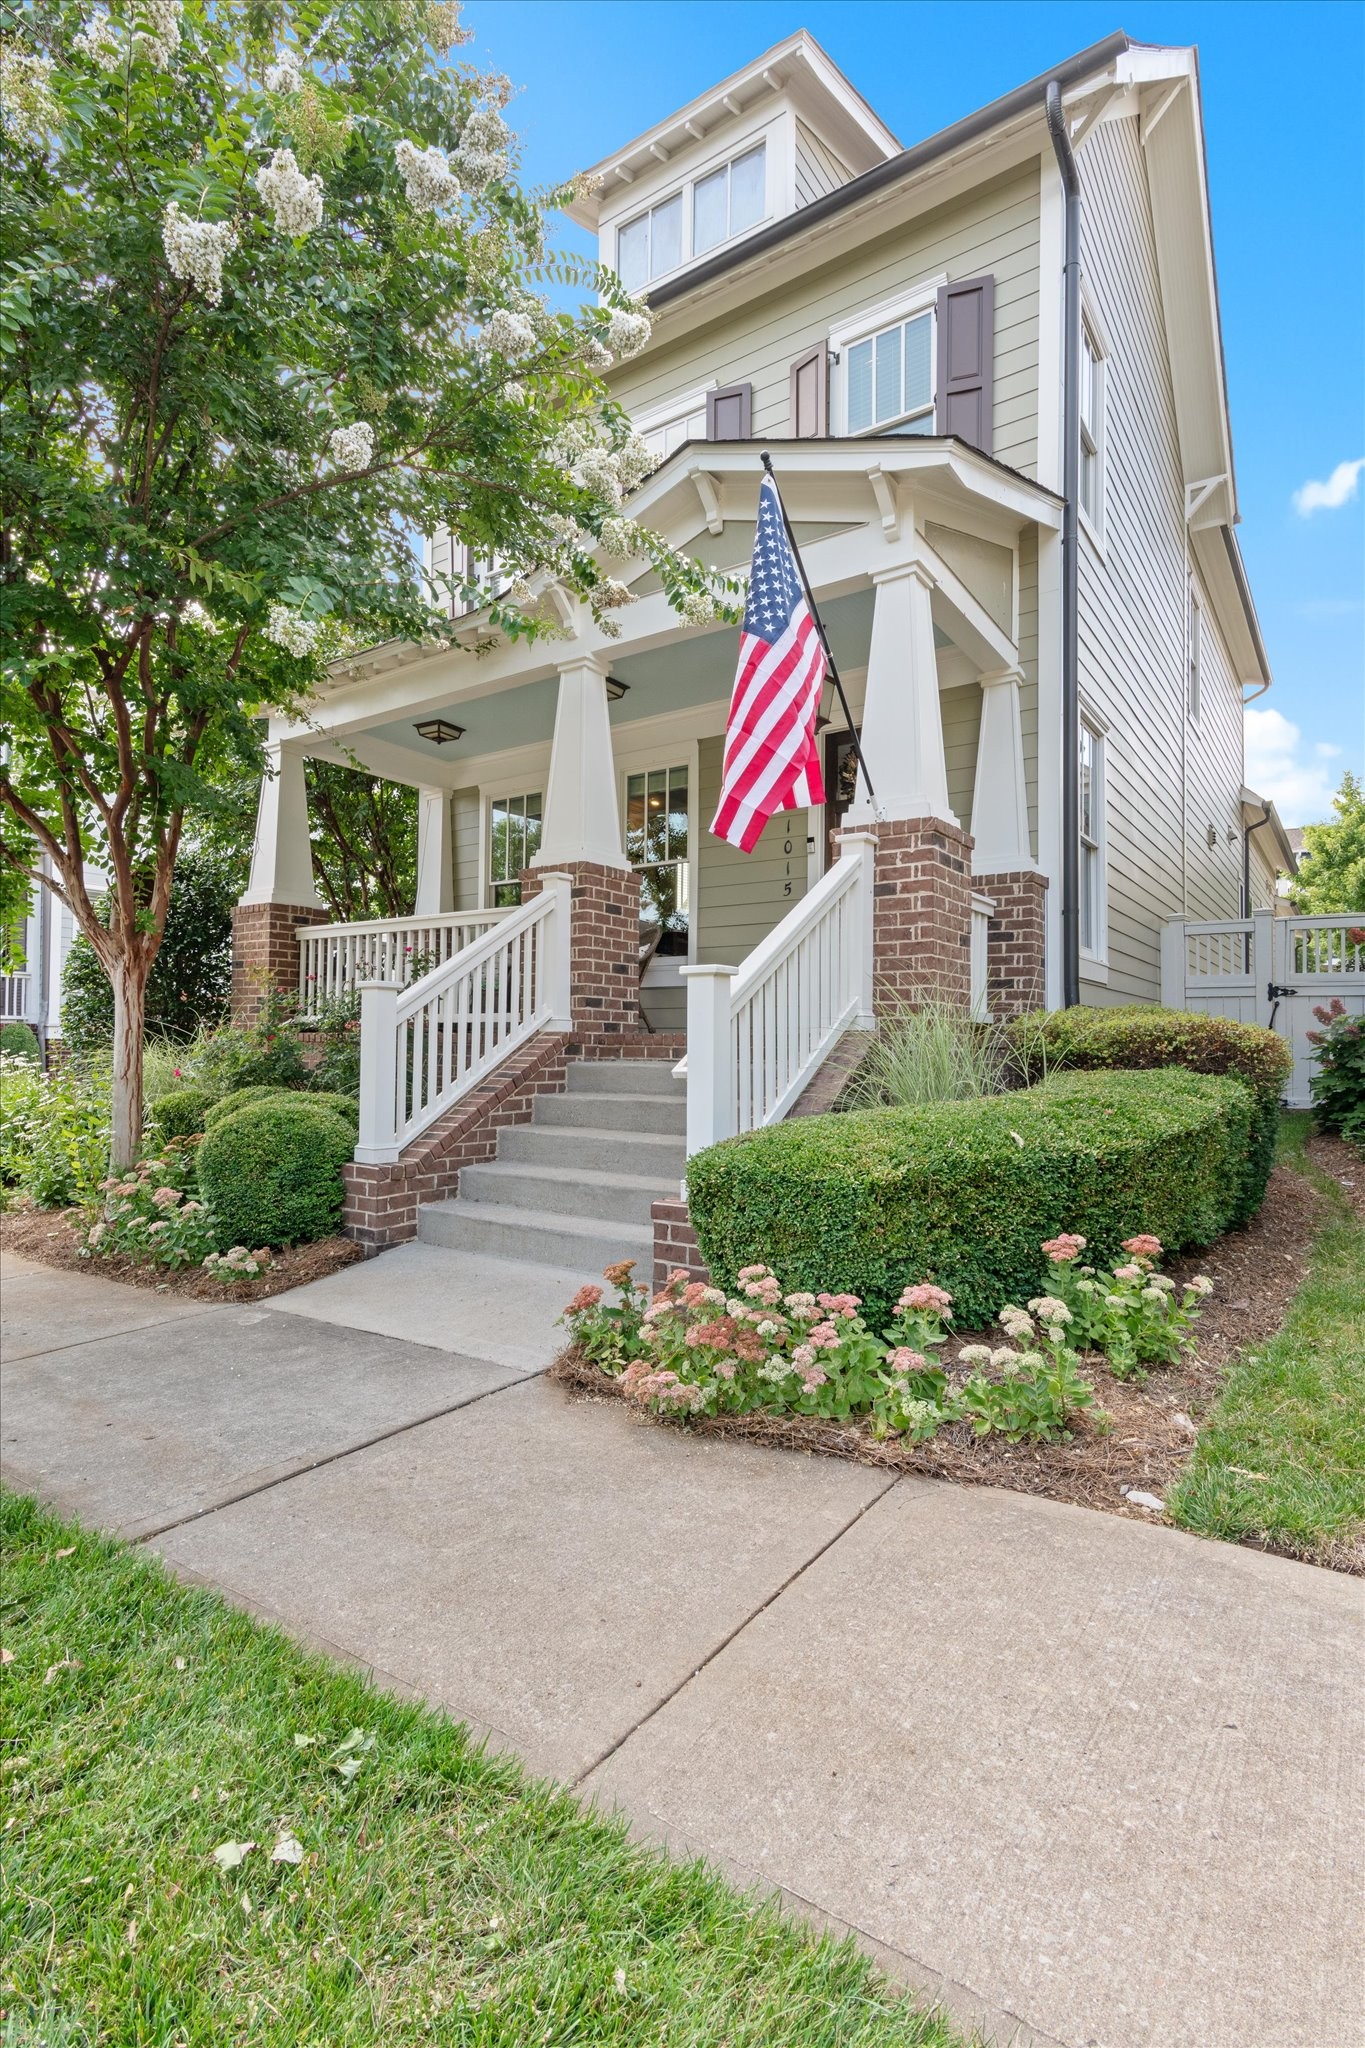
{"points": [[638, 760], [919, 298], [1092, 330], [1194, 651], [873, 320], [774, 132], [1097, 956], [674, 409]]}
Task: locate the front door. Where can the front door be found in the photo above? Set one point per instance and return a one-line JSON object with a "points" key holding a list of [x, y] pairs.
{"points": [[841, 780]]}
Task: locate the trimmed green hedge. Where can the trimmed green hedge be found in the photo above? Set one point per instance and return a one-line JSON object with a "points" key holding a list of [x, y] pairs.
{"points": [[272, 1173], [964, 1193], [183, 1112], [20, 1041], [246, 1098], [1137, 1037], [241, 1098]]}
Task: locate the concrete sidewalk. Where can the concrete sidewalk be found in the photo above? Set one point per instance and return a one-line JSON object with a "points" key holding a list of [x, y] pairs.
{"points": [[1094, 1783]]}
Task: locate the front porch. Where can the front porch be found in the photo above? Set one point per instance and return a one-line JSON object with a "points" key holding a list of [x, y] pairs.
{"points": [[567, 881]]}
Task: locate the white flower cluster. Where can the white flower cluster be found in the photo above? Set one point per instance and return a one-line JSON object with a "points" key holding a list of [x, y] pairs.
{"points": [[595, 471], [482, 154], [430, 182], [610, 594], [24, 76], [634, 461], [352, 447], [697, 608], [296, 635], [510, 334], [285, 74], [627, 334], [296, 201], [443, 26], [621, 539], [99, 42], [593, 351], [196, 250], [163, 39]]}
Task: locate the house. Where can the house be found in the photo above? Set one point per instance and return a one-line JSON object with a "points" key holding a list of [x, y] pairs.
{"points": [[34, 961], [891, 324]]}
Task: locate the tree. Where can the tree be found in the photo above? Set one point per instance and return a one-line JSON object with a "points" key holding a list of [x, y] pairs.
{"points": [[364, 838], [269, 307], [1331, 874]]}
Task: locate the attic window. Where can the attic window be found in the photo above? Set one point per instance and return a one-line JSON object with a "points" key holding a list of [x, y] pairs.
{"points": [[727, 201], [711, 210]]}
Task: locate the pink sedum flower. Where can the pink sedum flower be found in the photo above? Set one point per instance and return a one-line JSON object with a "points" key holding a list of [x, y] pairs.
{"points": [[1143, 1246], [586, 1298], [926, 1296], [1132, 1271], [1065, 1247], [903, 1359]]}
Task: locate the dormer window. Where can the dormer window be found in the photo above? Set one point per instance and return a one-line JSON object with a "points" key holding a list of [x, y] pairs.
{"points": [[712, 209]]}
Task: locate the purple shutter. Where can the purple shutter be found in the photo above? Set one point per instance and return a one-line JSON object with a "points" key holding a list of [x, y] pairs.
{"points": [[966, 351], [810, 394], [727, 412]]}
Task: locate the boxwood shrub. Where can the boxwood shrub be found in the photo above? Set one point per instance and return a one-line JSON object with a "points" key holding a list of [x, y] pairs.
{"points": [[182, 1112], [272, 1172], [20, 1041], [965, 1192], [245, 1098], [1136, 1036], [241, 1098]]}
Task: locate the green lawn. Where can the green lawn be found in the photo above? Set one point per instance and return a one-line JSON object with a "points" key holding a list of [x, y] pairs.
{"points": [[1282, 1456], [442, 1895]]}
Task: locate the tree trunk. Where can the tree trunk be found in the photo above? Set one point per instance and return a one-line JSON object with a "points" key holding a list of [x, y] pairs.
{"points": [[129, 978]]}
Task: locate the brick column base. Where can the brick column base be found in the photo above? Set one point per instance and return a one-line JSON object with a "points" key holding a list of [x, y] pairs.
{"points": [[604, 948], [922, 913], [1016, 946], [265, 951]]}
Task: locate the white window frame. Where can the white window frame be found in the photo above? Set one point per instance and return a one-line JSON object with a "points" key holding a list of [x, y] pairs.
{"points": [[1194, 653], [767, 139], [502, 794], [875, 320], [1096, 954], [659, 418], [638, 761], [1094, 436]]}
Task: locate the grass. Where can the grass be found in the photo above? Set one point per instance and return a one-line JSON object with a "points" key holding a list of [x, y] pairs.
{"points": [[931, 1053], [442, 1894], [1281, 1459]]}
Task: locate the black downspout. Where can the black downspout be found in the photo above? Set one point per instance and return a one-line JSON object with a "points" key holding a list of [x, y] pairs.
{"points": [[1071, 483], [1247, 831]]}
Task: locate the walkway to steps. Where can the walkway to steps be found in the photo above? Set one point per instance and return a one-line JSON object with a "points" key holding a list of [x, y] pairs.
{"points": [[574, 1187]]}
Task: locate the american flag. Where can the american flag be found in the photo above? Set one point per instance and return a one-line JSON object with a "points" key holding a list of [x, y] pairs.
{"points": [[772, 759]]}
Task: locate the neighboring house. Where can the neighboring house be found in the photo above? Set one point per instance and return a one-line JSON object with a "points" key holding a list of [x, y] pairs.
{"points": [[888, 323], [1272, 856], [35, 960]]}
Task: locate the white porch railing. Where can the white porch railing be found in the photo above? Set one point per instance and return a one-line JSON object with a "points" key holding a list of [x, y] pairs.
{"points": [[756, 1034], [335, 958], [14, 993], [1268, 970], [425, 1046], [982, 906]]}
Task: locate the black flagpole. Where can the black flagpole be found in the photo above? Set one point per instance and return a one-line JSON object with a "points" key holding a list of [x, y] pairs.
{"points": [[830, 668]]}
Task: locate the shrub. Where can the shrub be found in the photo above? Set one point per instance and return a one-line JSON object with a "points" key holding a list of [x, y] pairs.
{"points": [[182, 1113], [932, 1053], [20, 1041], [967, 1191], [191, 977], [1136, 1037], [243, 1098], [148, 1220], [271, 1173], [336, 1034], [1338, 1083], [264, 1053], [54, 1144]]}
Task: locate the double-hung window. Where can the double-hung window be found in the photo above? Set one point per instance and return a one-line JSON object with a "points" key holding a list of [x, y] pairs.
{"points": [[889, 379], [1194, 654], [710, 210], [651, 244], [514, 835], [727, 201], [1092, 428], [656, 847], [1092, 905]]}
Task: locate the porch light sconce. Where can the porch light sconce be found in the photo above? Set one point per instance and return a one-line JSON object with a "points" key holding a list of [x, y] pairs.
{"points": [[616, 690], [438, 730]]}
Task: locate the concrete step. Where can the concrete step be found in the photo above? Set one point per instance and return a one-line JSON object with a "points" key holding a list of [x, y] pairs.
{"points": [[564, 1190], [625, 1077], [503, 1232], [655, 1155], [660, 1114]]}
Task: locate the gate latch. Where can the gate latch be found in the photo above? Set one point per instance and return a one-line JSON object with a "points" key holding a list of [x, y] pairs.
{"points": [[1275, 989]]}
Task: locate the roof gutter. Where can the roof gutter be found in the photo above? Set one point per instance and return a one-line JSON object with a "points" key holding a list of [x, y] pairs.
{"points": [[1071, 476]]}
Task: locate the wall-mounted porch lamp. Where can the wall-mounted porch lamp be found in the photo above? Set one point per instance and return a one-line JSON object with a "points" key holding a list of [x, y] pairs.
{"points": [[438, 730], [616, 690]]}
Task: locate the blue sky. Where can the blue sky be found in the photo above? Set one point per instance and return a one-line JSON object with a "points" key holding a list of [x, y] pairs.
{"points": [[1282, 108]]}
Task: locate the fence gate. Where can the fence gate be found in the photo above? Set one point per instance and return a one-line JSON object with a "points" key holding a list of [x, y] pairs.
{"points": [[1267, 970]]}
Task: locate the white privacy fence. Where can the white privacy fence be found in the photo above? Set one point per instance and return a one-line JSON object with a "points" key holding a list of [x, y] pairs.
{"points": [[425, 1046], [1268, 970], [335, 958], [756, 1034]]}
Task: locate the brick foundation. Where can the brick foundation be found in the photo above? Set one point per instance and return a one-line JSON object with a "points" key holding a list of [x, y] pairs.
{"points": [[1016, 946], [265, 951], [922, 911], [675, 1243], [604, 948]]}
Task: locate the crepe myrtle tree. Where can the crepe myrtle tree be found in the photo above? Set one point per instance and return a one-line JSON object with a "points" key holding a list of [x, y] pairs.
{"points": [[271, 306]]}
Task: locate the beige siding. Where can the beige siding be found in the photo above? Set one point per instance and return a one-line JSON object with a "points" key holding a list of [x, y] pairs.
{"points": [[960, 710], [741, 896], [993, 230], [818, 169], [464, 841], [1166, 784]]}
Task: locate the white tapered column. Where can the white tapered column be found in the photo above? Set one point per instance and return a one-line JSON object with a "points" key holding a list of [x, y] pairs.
{"points": [[902, 732], [582, 816], [435, 869], [1000, 794], [281, 857]]}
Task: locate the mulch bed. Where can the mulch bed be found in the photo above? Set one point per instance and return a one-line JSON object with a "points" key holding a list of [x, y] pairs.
{"points": [[1152, 1422], [49, 1236]]}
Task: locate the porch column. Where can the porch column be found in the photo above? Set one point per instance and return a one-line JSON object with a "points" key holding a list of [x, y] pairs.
{"points": [[921, 926], [902, 733], [435, 869], [280, 894], [582, 817], [1002, 862]]}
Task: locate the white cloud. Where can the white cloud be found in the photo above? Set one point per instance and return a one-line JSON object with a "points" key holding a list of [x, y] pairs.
{"points": [[1339, 489], [1278, 767], [1325, 751]]}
